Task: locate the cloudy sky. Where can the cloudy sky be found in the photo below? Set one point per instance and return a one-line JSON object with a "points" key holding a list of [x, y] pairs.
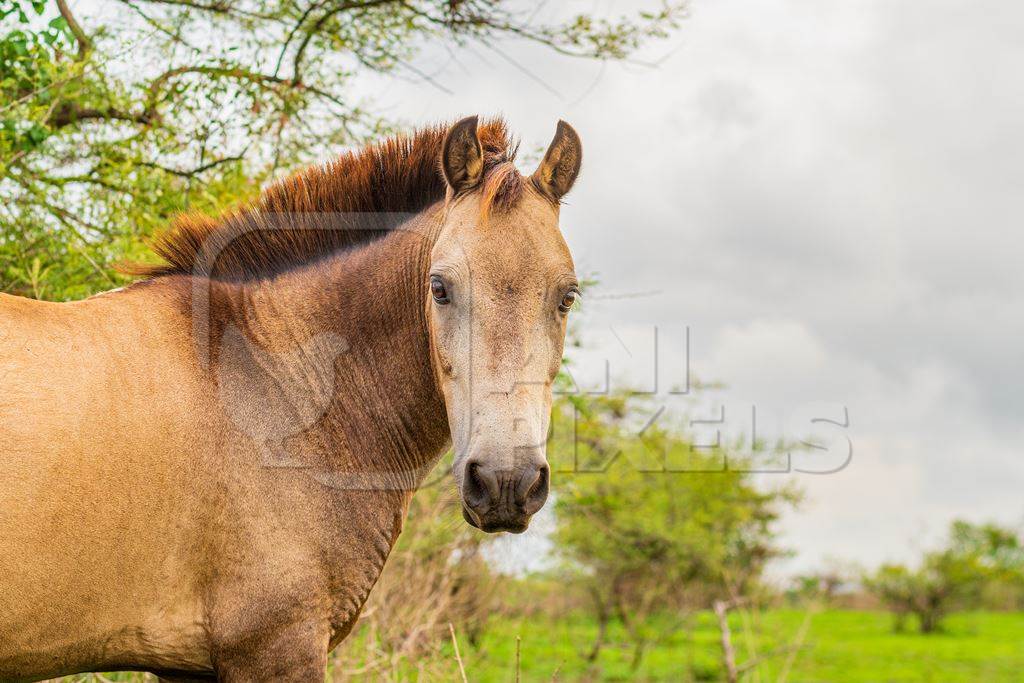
{"points": [[828, 194]]}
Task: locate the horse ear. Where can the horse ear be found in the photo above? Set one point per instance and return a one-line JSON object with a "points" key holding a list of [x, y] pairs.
{"points": [[561, 164], [462, 157]]}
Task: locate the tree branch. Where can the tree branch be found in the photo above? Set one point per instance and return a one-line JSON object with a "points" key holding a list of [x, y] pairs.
{"points": [[266, 81], [291, 34], [175, 36], [84, 44], [481, 22], [216, 7], [69, 219], [721, 608], [297, 68], [215, 71], [69, 113], [62, 181], [195, 171]]}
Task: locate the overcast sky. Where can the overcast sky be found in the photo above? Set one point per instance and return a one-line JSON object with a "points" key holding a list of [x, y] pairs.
{"points": [[828, 194]]}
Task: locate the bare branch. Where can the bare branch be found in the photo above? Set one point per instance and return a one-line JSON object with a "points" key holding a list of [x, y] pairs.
{"points": [[458, 657], [728, 654]]}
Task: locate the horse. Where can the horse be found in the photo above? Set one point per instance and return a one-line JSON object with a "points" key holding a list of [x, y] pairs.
{"points": [[204, 472]]}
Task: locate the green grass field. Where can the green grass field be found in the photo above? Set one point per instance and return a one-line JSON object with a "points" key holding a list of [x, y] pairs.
{"points": [[839, 646]]}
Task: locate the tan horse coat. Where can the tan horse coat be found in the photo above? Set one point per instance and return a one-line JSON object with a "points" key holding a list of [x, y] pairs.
{"points": [[202, 475]]}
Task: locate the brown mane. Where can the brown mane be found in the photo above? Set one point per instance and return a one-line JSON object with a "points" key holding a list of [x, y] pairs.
{"points": [[347, 202]]}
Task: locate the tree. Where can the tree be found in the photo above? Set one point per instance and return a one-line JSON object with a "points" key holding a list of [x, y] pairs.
{"points": [[894, 585], [944, 582], [646, 543], [112, 121], [823, 585], [998, 557], [976, 560]]}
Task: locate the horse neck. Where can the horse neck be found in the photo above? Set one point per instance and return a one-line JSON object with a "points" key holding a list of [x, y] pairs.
{"points": [[346, 339]]}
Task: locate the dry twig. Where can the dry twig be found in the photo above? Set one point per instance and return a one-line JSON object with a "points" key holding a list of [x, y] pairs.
{"points": [[458, 657]]}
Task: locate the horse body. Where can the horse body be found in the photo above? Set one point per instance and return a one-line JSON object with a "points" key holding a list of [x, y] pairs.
{"points": [[203, 475], [137, 537], [92, 433]]}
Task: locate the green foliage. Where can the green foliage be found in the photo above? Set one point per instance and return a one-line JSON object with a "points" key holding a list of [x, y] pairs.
{"points": [[980, 565], [640, 539], [113, 121]]}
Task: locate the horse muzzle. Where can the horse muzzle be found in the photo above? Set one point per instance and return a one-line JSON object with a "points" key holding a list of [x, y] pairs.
{"points": [[503, 500]]}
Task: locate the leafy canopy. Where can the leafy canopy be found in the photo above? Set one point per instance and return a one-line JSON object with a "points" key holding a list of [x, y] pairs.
{"points": [[112, 121]]}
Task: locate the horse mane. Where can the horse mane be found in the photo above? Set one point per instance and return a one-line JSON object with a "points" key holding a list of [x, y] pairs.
{"points": [[350, 201]]}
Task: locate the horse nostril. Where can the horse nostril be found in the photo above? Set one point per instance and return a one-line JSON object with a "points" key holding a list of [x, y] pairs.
{"points": [[480, 487], [533, 489]]}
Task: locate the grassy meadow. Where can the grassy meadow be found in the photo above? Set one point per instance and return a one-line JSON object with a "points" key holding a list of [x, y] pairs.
{"points": [[838, 646]]}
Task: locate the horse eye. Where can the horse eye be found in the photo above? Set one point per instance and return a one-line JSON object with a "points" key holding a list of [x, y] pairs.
{"points": [[438, 291], [567, 301]]}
